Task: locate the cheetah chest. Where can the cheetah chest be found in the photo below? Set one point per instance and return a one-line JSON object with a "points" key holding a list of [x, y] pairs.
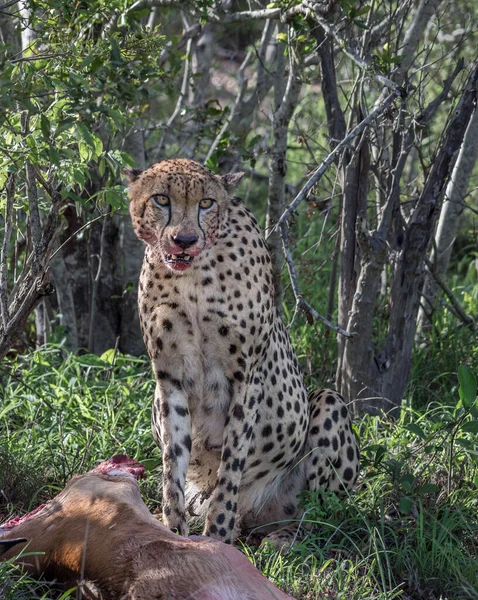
{"points": [[190, 335]]}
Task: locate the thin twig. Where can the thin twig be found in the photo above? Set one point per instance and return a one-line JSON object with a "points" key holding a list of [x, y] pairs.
{"points": [[8, 4], [363, 64], [36, 57], [300, 303], [325, 164]]}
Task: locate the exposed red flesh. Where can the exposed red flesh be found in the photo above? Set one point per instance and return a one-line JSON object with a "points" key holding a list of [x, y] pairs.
{"points": [[123, 462], [119, 462]]}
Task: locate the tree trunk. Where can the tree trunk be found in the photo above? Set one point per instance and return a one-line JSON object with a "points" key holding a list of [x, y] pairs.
{"points": [[286, 94], [66, 303], [129, 267], [377, 379], [449, 219], [354, 208]]}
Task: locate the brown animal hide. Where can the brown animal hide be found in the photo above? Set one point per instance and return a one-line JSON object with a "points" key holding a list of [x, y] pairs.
{"points": [[99, 529]]}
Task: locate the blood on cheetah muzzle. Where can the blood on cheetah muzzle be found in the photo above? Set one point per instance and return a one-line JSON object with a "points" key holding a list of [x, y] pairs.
{"points": [[179, 261]]}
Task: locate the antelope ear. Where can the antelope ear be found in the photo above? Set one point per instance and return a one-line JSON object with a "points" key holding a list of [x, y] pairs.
{"points": [[7, 544], [231, 180], [131, 174]]}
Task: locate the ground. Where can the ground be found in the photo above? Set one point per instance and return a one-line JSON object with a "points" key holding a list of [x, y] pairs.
{"points": [[403, 534]]}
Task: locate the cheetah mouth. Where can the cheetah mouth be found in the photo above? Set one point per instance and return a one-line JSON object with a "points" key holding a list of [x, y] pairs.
{"points": [[179, 262]]}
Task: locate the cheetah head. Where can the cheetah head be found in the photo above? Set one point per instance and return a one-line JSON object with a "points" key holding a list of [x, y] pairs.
{"points": [[178, 207]]}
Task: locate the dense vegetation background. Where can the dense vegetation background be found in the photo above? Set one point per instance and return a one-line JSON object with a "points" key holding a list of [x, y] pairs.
{"points": [[376, 266]]}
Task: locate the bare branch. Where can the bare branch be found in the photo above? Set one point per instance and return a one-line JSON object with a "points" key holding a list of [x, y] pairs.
{"points": [[459, 311], [354, 55], [36, 57], [301, 304], [379, 29], [426, 9], [325, 164], [244, 15], [8, 4]]}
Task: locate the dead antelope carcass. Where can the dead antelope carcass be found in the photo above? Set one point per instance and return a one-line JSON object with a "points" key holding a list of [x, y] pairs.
{"points": [[99, 529]]}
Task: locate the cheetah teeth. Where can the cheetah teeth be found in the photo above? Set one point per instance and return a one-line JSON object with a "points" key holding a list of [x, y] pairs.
{"points": [[179, 257]]}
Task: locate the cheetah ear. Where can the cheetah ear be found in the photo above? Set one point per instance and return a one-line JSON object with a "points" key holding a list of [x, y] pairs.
{"points": [[231, 180], [131, 174]]}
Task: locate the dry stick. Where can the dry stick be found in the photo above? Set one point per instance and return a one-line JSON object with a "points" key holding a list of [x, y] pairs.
{"points": [[10, 190], [325, 164], [462, 315]]}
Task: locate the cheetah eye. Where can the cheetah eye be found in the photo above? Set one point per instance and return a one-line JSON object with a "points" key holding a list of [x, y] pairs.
{"points": [[206, 203], [160, 200]]}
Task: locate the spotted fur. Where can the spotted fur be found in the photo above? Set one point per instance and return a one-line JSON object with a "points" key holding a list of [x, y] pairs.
{"points": [[239, 435]]}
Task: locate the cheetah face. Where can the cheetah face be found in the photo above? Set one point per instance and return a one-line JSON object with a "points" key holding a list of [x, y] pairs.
{"points": [[178, 207]]}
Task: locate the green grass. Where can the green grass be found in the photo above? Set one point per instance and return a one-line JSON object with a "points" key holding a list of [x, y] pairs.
{"points": [[409, 531]]}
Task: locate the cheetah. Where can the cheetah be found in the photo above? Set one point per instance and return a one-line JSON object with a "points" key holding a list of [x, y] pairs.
{"points": [[240, 437]]}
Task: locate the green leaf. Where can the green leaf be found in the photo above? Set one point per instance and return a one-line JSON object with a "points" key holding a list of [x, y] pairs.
{"points": [[45, 127], [470, 427], [406, 505], [467, 389], [151, 463], [79, 177], [98, 144], [84, 151], [64, 125], [108, 356], [282, 37], [416, 429], [91, 360], [468, 445], [362, 11], [407, 482], [54, 155], [428, 488], [212, 162]]}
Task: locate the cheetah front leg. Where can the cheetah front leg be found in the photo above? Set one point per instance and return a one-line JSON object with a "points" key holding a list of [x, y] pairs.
{"points": [[172, 421], [221, 519], [175, 434]]}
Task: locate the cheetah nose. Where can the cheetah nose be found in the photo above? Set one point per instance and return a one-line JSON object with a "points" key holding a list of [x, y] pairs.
{"points": [[184, 241]]}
